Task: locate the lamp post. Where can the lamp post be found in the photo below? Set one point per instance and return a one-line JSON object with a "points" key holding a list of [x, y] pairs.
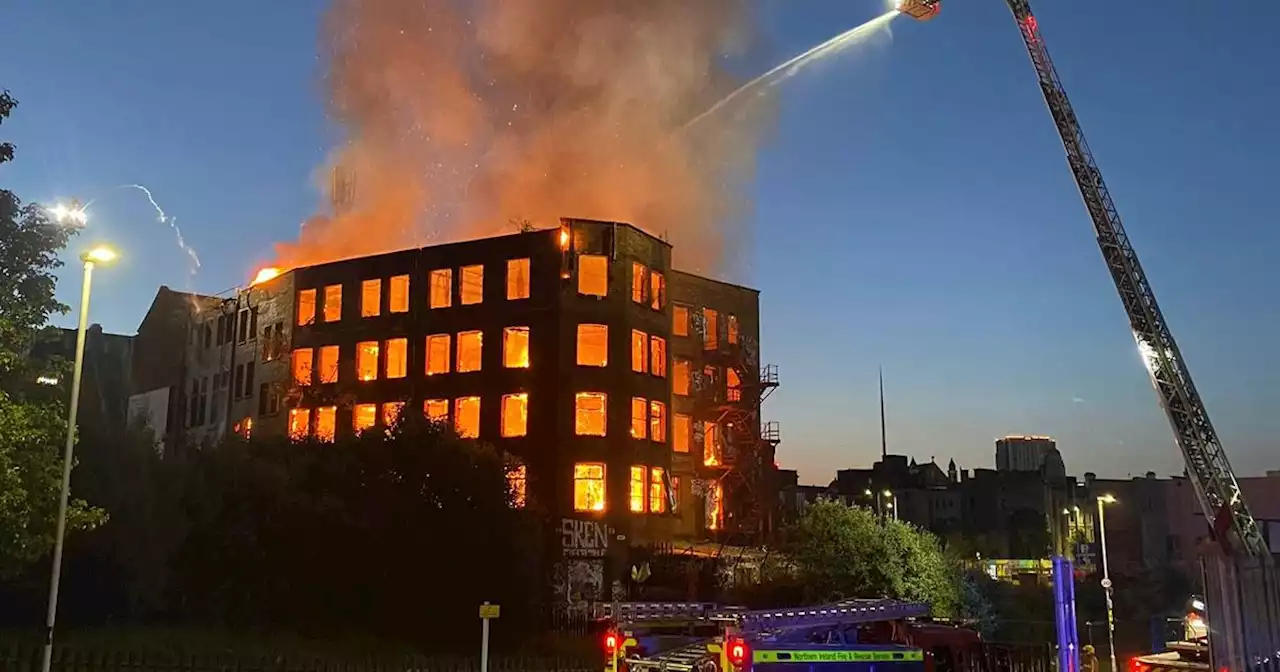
{"points": [[98, 255], [1106, 577]]}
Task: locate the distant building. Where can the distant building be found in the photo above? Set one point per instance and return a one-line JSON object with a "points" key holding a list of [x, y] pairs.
{"points": [[106, 377], [1023, 453]]}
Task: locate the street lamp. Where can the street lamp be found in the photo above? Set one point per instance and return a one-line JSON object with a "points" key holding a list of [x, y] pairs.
{"points": [[1106, 576], [97, 255]]}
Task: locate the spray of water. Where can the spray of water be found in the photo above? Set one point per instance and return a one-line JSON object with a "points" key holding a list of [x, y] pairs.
{"points": [[788, 69]]}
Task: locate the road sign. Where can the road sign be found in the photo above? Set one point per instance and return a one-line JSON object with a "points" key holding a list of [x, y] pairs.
{"points": [[488, 611]]}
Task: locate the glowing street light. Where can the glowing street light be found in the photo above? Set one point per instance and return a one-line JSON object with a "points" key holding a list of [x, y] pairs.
{"points": [[1106, 575], [72, 214], [100, 254]]}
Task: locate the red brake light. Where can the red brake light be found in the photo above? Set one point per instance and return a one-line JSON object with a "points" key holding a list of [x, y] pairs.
{"points": [[737, 652], [611, 642], [1136, 665]]}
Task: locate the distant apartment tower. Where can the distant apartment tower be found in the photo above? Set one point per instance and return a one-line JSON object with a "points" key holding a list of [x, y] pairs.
{"points": [[1023, 453]]}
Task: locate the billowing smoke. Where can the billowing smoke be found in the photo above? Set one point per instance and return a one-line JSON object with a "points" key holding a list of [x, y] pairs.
{"points": [[467, 118]]}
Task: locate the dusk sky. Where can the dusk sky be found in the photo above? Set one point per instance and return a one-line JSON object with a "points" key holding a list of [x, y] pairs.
{"points": [[912, 208]]}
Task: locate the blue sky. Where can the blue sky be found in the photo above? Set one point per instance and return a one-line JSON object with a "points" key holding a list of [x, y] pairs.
{"points": [[912, 209]]}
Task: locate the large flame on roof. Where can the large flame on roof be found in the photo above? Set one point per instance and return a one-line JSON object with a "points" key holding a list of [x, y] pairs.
{"points": [[465, 119], [268, 273]]}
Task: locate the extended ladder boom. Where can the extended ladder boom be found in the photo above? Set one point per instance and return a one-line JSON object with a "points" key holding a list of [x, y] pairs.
{"points": [[1210, 473]]}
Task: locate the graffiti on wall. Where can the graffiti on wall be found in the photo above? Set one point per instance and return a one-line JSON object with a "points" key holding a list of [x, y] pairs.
{"points": [[584, 538]]}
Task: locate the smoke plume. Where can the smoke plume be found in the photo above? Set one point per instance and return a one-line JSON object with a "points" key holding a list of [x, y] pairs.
{"points": [[463, 118]]}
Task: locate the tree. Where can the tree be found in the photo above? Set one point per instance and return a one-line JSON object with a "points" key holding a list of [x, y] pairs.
{"points": [[31, 425], [847, 551]]}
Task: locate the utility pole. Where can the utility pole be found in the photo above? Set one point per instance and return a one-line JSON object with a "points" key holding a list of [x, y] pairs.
{"points": [[884, 443]]}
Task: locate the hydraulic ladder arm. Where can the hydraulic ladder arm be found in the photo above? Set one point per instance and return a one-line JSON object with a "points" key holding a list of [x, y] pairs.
{"points": [[1210, 473]]}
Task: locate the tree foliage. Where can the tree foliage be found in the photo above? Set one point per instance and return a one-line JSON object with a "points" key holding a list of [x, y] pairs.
{"points": [[31, 425]]}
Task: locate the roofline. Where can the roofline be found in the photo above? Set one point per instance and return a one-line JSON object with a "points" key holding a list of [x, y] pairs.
{"points": [[718, 282]]}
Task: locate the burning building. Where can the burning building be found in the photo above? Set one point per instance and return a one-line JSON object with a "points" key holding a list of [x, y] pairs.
{"points": [[628, 392]]}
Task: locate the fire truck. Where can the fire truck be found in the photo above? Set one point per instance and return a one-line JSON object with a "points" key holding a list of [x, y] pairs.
{"points": [[1189, 653], [863, 635]]}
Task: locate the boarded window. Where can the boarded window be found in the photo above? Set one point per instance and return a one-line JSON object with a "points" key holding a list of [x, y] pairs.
{"points": [[658, 421], [593, 345], [469, 351], [367, 361], [466, 417], [332, 303], [731, 329], [657, 290], [303, 366], [328, 364], [299, 423], [593, 275], [439, 353], [371, 298], [397, 357], [711, 453], [710, 333], [637, 282], [589, 413], [517, 279], [326, 423], [639, 486], [391, 413], [588, 486], [681, 432], [679, 321], [518, 485], [639, 350], [472, 284], [436, 410], [639, 417], [515, 347], [306, 307], [515, 414], [364, 417], [680, 377], [733, 385], [657, 490], [398, 301], [658, 356], [441, 288]]}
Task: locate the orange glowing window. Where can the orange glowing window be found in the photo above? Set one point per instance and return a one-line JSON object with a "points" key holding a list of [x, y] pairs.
{"points": [[518, 484], [436, 410], [326, 423], [681, 432], [710, 331], [637, 282], [244, 428], [364, 417], [658, 421], [441, 284], [593, 345], [657, 290], [517, 279], [391, 413], [711, 453], [588, 486], [639, 417], [328, 369], [303, 361], [367, 361], [715, 506], [658, 356], [306, 307], [733, 385], [299, 423], [593, 275], [657, 490], [679, 320], [731, 329], [515, 347], [515, 414], [397, 357], [639, 483], [675, 494], [398, 301], [470, 344], [439, 353], [589, 413], [472, 284], [680, 377], [466, 417], [371, 298], [639, 350], [332, 303]]}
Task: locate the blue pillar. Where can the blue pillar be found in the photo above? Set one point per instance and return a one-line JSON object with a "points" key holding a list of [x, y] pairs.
{"points": [[1064, 602]]}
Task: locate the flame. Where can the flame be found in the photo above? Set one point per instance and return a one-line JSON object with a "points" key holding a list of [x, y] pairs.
{"points": [[268, 273]]}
